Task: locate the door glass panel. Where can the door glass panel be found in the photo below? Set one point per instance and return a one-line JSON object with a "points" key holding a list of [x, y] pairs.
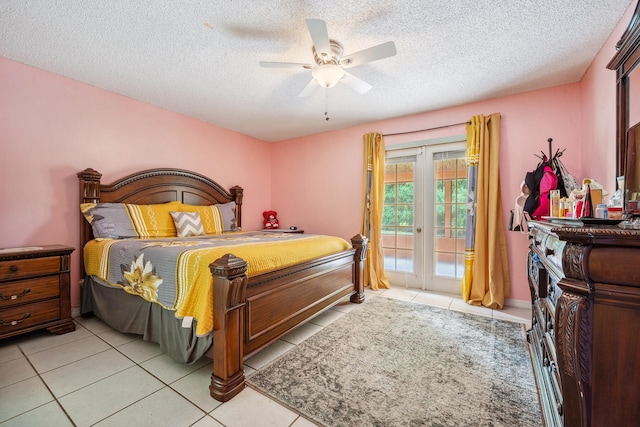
{"points": [[450, 213], [398, 214]]}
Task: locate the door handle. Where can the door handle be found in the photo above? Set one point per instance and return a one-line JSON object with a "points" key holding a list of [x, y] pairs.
{"points": [[419, 229]]}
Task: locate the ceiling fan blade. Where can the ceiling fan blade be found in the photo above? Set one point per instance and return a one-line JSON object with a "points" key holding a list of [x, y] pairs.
{"points": [[267, 64], [319, 36], [374, 53], [355, 83], [309, 89]]}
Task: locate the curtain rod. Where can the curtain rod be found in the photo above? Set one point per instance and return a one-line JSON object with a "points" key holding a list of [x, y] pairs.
{"points": [[424, 130]]}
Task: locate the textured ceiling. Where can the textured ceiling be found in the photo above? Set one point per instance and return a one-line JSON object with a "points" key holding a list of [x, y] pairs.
{"points": [[200, 58]]}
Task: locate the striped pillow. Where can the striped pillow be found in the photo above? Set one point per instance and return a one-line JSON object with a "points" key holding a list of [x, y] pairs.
{"points": [[153, 220], [187, 224]]}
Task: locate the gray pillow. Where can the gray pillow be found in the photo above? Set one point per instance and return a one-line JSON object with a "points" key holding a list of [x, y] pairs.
{"points": [[109, 220], [228, 212]]}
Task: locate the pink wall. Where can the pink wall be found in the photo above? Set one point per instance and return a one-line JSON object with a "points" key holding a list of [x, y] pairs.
{"points": [[52, 127]]}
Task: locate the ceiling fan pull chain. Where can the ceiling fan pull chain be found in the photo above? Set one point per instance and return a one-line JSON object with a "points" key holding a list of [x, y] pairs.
{"points": [[326, 103]]}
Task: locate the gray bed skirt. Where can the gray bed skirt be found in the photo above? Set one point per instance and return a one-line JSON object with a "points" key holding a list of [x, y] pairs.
{"points": [[133, 315]]}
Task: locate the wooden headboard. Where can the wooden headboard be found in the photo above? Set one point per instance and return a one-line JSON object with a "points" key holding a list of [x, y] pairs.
{"points": [[153, 186]]}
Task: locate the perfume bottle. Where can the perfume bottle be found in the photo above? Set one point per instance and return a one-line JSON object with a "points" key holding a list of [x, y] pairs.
{"points": [[587, 208], [555, 203]]}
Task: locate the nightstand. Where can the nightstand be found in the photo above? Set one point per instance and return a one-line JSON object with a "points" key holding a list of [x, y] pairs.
{"points": [[34, 290]]}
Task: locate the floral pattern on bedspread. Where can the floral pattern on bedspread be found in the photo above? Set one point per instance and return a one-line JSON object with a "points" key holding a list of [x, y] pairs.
{"points": [[174, 272], [141, 281]]}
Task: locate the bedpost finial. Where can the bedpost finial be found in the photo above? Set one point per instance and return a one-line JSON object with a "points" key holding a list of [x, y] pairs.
{"points": [[359, 240], [236, 192], [89, 175], [228, 266]]}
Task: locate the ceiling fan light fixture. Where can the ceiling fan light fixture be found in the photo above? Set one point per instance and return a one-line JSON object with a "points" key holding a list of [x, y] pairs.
{"points": [[327, 75]]}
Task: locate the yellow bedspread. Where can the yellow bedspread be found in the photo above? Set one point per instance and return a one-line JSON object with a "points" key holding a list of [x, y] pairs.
{"points": [[174, 272]]}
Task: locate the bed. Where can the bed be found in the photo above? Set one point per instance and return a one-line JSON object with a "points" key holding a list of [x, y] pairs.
{"points": [[249, 311]]}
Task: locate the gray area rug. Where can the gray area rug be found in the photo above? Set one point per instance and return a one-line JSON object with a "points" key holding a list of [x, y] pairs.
{"points": [[395, 363]]}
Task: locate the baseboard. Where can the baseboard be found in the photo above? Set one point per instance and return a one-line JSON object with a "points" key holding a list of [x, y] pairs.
{"points": [[517, 303]]}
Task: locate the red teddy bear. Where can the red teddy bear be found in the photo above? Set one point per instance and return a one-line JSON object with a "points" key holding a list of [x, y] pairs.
{"points": [[270, 219]]}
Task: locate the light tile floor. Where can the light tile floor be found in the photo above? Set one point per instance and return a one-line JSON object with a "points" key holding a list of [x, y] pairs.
{"points": [[97, 376]]}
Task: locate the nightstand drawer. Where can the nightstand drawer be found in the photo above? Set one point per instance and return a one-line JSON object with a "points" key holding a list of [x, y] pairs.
{"points": [[23, 268], [24, 291], [24, 316]]}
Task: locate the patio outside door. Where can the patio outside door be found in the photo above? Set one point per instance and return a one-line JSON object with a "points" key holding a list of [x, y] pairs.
{"points": [[424, 218]]}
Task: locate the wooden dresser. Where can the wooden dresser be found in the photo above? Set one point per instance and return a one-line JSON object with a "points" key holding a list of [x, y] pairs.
{"points": [[585, 335], [34, 290]]}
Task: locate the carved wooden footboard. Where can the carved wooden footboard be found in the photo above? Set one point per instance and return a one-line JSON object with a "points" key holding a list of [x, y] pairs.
{"points": [[252, 313]]}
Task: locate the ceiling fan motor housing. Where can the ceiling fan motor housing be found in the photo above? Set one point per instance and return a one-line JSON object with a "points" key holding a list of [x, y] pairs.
{"points": [[336, 54]]}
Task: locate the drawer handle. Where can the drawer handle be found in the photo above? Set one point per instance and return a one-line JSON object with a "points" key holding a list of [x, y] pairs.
{"points": [[15, 322], [13, 268], [11, 297]]}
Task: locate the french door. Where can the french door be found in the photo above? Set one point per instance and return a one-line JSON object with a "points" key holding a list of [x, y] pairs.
{"points": [[402, 217], [424, 218]]}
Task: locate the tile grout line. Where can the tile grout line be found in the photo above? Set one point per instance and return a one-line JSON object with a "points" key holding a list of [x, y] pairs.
{"points": [[136, 364], [165, 384], [47, 387]]}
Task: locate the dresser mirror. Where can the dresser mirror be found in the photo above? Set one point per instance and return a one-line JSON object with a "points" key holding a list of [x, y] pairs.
{"points": [[632, 171], [626, 63], [634, 101]]}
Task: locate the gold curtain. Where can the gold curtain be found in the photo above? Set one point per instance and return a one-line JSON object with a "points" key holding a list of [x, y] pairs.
{"points": [[486, 269], [373, 182]]}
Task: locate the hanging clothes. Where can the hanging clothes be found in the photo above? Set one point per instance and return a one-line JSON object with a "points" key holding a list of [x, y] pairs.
{"points": [[548, 182]]}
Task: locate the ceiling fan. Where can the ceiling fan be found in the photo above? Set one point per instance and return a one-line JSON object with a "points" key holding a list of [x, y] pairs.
{"points": [[329, 66]]}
